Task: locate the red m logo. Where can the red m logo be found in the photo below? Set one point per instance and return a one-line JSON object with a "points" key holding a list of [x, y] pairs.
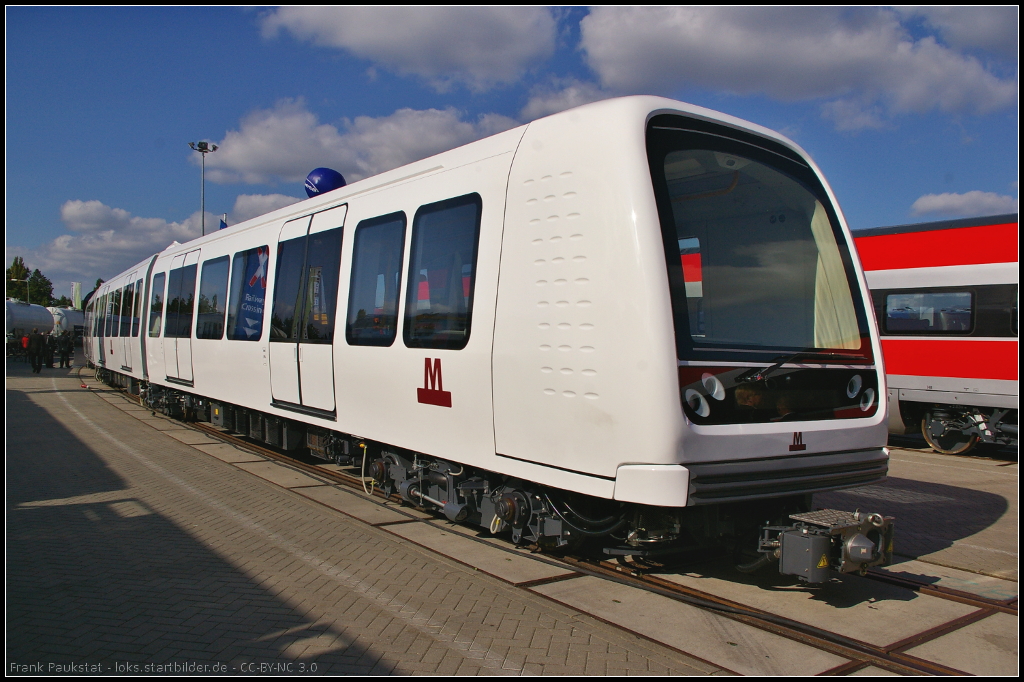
{"points": [[433, 392], [798, 441]]}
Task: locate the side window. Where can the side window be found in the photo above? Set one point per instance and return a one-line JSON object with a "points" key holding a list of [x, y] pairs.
{"points": [[181, 292], [291, 255], [213, 290], [323, 265], [948, 312], [376, 279], [306, 288], [156, 305], [114, 314], [127, 306], [442, 270], [248, 294], [137, 315]]}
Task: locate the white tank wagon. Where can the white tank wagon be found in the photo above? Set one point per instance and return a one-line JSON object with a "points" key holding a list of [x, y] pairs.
{"points": [[68, 320], [20, 318], [638, 321]]}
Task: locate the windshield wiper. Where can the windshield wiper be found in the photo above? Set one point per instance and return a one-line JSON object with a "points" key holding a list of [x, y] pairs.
{"points": [[760, 374]]}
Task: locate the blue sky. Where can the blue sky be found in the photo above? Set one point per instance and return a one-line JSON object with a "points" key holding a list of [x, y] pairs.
{"points": [[912, 114]]}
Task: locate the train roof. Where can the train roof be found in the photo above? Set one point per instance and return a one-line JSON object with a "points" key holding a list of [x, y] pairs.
{"points": [[1003, 219], [589, 121]]}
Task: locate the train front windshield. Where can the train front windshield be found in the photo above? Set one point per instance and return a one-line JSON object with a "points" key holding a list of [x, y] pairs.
{"points": [[759, 273]]}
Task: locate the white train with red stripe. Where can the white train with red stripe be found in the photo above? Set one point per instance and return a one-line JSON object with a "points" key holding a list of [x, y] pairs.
{"points": [[637, 320], [945, 297]]}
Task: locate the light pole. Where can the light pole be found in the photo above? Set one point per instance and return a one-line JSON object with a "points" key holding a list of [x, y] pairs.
{"points": [[203, 148], [28, 288]]}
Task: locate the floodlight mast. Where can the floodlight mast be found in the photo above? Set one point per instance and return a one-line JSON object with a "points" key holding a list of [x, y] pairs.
{"points": [[203, 148]]}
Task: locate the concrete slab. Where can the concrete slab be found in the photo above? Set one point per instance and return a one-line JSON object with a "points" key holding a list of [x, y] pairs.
{"points": [[502, 564], [229, 453], [161, 424], [190, 437], [279, 475], [849, 605], [872, 671], [366, 510], [987, 647], [735, 646], [955, 579], [959, 512]]}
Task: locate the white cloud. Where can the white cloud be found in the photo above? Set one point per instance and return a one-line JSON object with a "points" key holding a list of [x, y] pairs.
{"points": [[105, 240], [860, 57], [559, 97], [477, 46], [974, 203], [288, 141], [252, 205], [993, 29]]}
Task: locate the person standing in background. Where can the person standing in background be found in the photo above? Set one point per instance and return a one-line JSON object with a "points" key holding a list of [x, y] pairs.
{"points": [[65, 344], [50, 350], [36, 347]]}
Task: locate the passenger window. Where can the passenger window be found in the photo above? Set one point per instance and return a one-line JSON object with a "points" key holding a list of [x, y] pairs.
{"points": [[156, 305], [442, 269], [127, 306], [306, 288], [291, 254], [948, 312], [213, 289], [115, 314], [248, 294], [376, 277], [323, 266], [137, 315], [105, 321], [181, 292]]}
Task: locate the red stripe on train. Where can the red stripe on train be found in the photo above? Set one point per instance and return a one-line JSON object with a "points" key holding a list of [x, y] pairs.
{"points": [[935, 248], [966, 359]]}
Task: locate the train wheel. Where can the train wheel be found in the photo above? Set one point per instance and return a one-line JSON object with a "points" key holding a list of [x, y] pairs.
{"points": [[949, 441]]}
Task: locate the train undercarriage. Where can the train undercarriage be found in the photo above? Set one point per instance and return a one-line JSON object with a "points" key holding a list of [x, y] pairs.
{"points": [[957, 429], [784, 530]]}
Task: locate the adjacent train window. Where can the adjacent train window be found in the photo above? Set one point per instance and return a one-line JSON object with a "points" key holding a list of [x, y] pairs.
{"points": [[376, 272], [442, 270], [948, 312], [689, 256], [248, 294], [213, 292], [306, 288], [181, 292], [156, 305]]}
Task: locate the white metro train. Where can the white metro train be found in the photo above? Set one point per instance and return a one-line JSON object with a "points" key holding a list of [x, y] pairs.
{"points": [[638, 320]]}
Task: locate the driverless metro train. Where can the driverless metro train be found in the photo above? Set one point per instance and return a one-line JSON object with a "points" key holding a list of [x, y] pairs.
{"points": [[945, 297], [638, 320]]}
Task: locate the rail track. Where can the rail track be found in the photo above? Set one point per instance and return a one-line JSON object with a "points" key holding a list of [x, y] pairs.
{"points": [[859, 654]]}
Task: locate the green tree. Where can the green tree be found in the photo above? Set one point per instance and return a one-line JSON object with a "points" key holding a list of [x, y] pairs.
{"points": [[63, 302], [41, 288], [16, 274]]}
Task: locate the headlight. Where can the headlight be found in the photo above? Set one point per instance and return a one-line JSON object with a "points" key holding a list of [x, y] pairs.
{"points": [[697, 402], [853, 388], [713, 386]]}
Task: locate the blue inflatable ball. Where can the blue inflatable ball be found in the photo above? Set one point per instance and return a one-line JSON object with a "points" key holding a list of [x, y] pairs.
{"points": [[322, 180]]}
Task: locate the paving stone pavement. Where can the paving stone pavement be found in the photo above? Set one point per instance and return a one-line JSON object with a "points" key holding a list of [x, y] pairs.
{"points": [[126, 547]]}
